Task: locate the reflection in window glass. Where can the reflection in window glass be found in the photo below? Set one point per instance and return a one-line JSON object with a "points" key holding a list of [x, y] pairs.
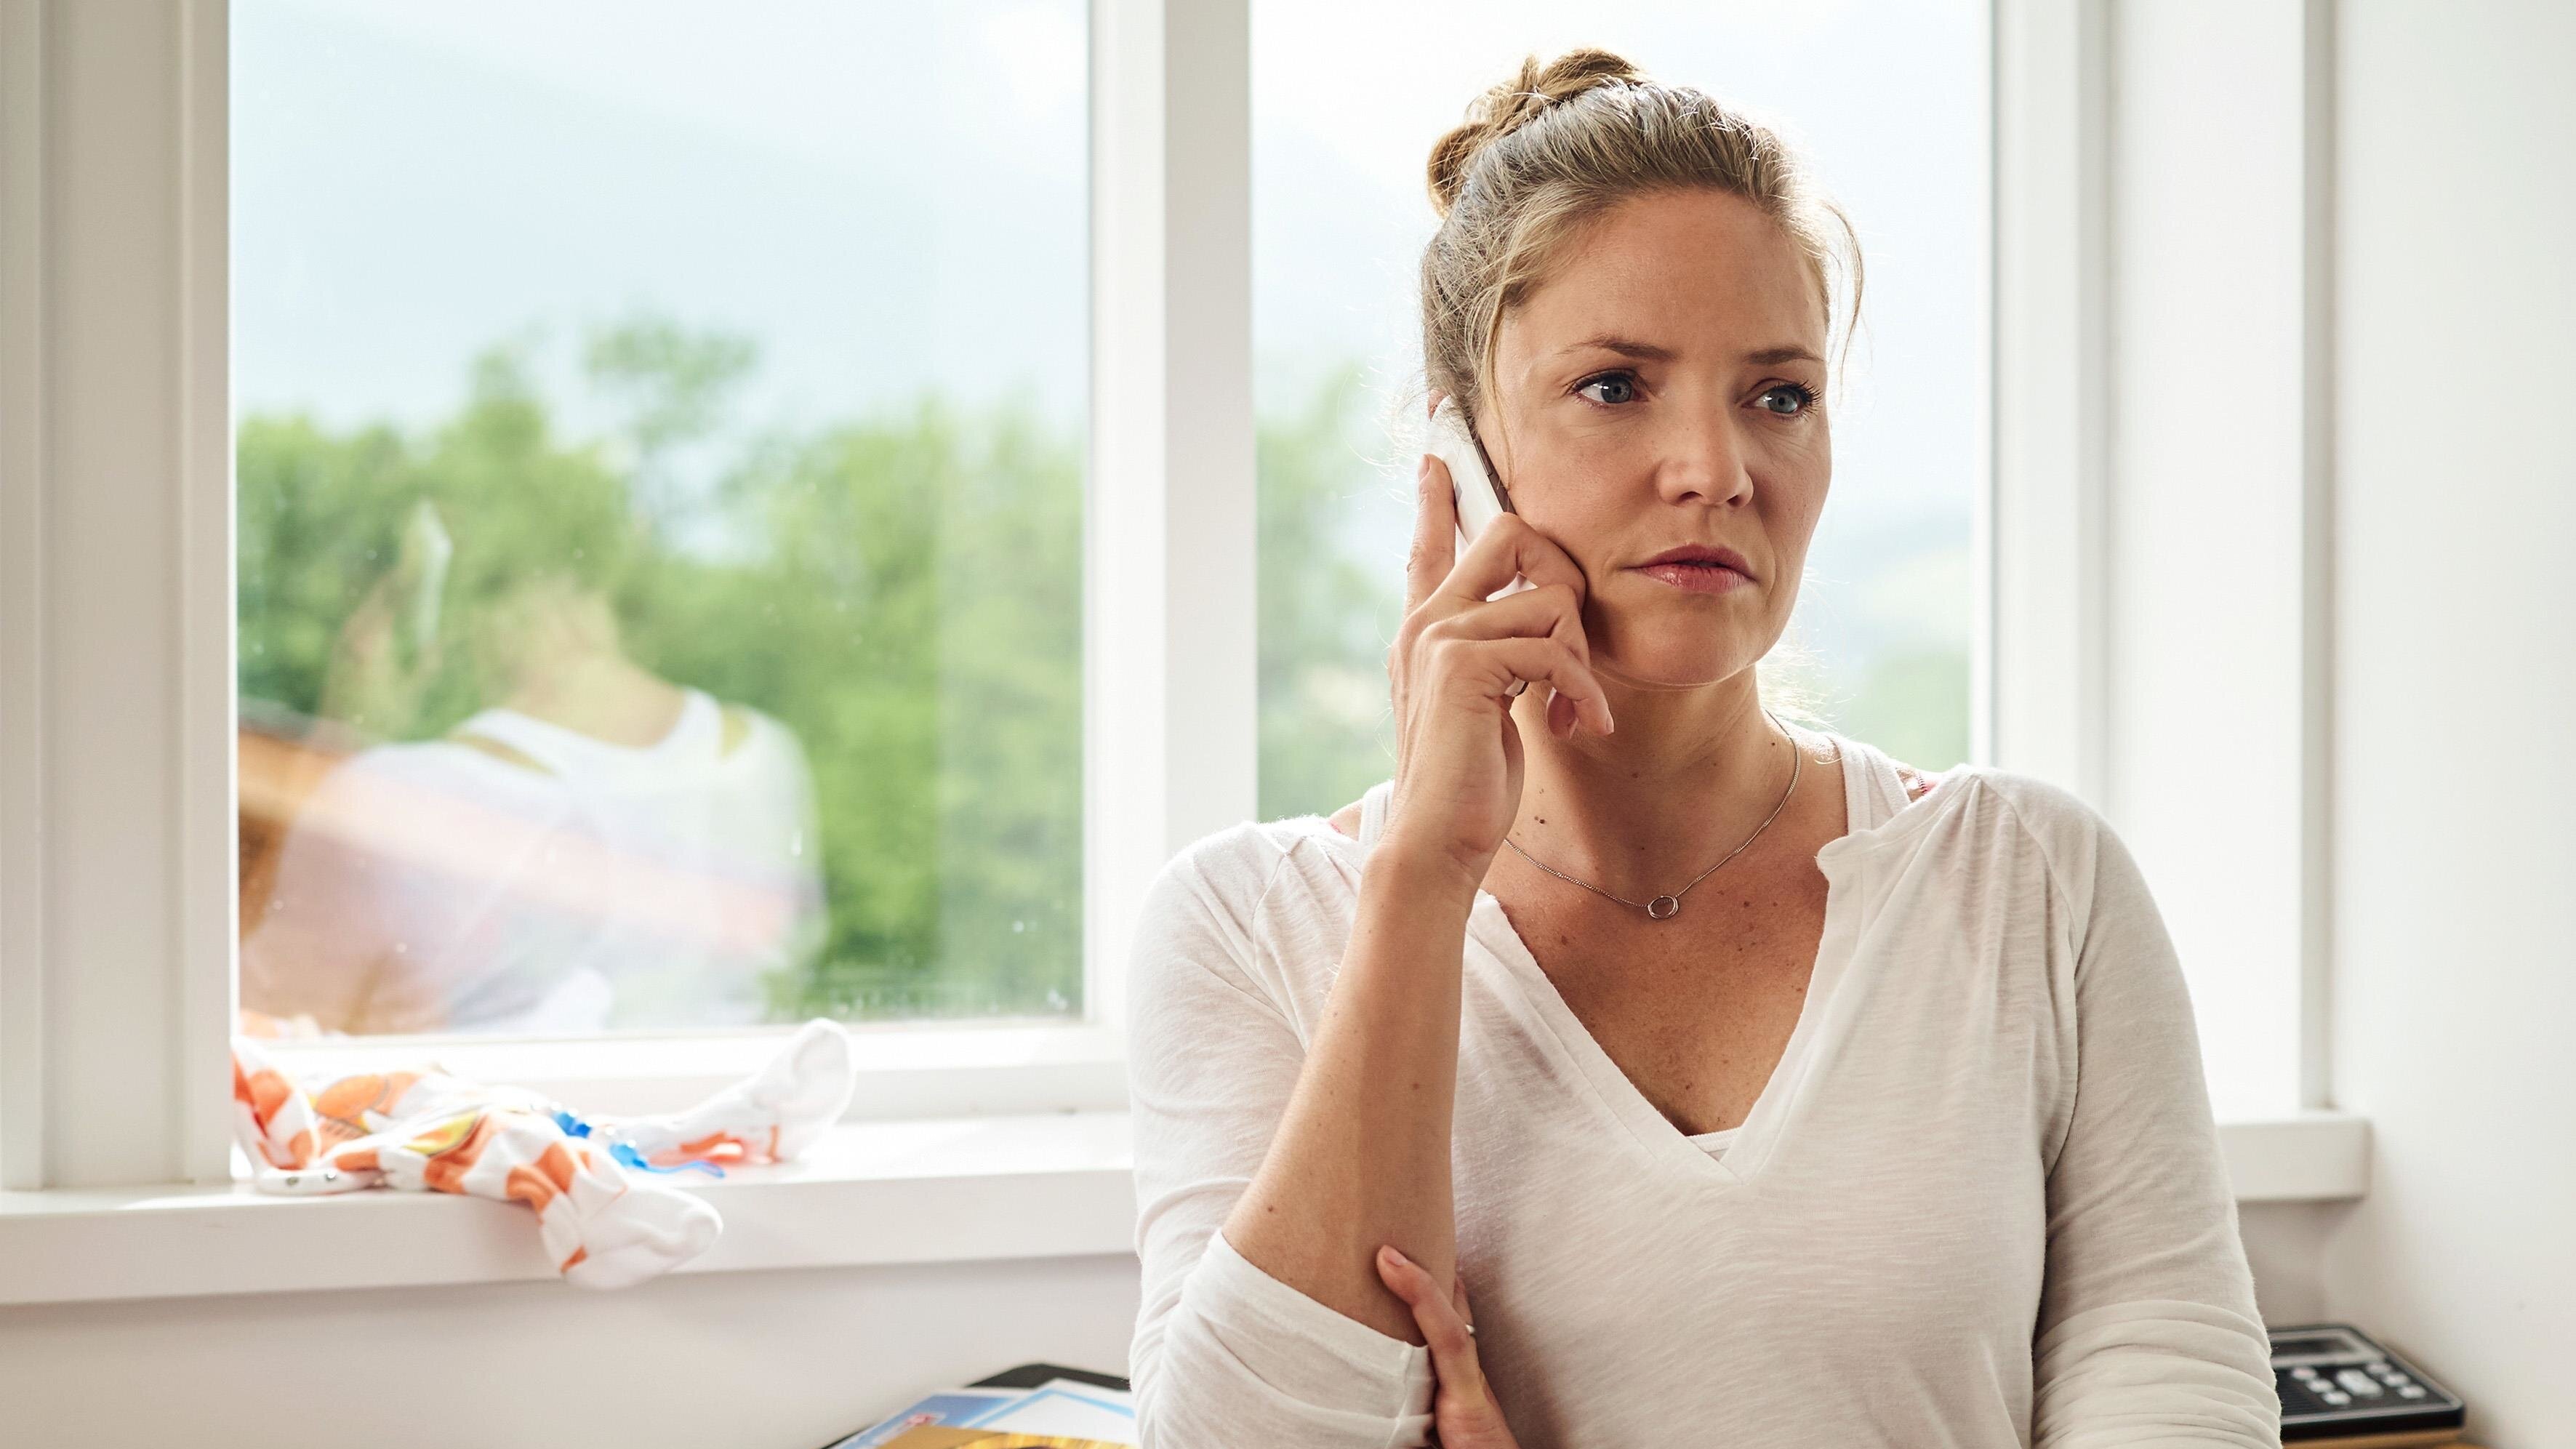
{"points": [[660, 437], [1886, 99]]}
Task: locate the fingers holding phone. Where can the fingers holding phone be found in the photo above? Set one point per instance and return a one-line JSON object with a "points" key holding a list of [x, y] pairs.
{"points": [[1466, 648], [1478, 494]]}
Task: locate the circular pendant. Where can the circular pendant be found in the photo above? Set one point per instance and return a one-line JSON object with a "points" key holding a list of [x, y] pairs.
{"points": [[1662, 907]]}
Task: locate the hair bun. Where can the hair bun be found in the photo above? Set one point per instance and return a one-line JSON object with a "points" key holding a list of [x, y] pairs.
{"points": [[1506, 108]]}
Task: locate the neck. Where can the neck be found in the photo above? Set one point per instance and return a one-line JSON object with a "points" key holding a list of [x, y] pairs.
{"points": [[1688, 775], [600, 695]]}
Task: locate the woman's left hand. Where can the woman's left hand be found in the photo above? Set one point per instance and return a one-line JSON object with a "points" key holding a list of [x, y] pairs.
{"points": [[1463, 1412]]}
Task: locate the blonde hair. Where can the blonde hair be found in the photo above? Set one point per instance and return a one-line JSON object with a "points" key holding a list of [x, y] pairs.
{"points": [[1544, 156]]}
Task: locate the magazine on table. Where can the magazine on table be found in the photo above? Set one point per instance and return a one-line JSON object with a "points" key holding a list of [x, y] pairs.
{"points": [[1060, 1413]]}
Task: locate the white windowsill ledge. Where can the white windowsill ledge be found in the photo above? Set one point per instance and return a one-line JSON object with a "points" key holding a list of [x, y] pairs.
{"points": [[945, 1190], [940, 1190]]}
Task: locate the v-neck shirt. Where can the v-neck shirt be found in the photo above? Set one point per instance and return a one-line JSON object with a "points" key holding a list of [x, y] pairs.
{"points": [[1827, 969], [1923, 1232]]}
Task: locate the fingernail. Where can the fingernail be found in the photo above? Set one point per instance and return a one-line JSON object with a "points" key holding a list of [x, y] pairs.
{"points": [[1394, 1257]]}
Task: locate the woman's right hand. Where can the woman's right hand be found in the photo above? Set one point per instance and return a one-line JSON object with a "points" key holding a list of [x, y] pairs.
{"points": [[368, 685], [1463, 1412], [1455, 660]]}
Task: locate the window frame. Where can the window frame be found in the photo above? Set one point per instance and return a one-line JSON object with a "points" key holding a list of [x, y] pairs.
{"points": [[113, 1019], [2099, 317], [116, 543], [114, 321]]}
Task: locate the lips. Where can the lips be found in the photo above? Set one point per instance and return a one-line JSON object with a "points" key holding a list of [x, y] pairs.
{"points": [[1697, 578], [1699, 568], [1701, 555]]}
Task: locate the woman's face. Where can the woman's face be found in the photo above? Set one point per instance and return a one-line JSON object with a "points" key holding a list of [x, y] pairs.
{"points": [[1663, 389]]}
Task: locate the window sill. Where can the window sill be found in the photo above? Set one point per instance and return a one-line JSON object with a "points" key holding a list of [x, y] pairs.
{"points": [[938, 1190], [925, 1191], [2309, 1157]]}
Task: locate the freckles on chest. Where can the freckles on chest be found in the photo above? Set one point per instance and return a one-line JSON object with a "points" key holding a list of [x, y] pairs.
{"points": [[1743, 916], [1696, 1020]]}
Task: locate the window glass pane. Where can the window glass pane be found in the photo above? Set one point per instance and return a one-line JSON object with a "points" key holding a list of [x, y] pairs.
{"points": [[1888, 102], [660, 439]]}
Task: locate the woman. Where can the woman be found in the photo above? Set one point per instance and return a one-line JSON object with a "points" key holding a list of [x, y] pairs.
{"points": [[597, 849], [1767, 1091]]}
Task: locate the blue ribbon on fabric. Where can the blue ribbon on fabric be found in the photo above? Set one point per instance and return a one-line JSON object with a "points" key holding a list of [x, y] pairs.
{"points": [[624, 1153]]}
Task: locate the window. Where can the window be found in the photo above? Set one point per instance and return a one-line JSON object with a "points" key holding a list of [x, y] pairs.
{"points": [[660, 438], [1890, 104], [386, 195]]}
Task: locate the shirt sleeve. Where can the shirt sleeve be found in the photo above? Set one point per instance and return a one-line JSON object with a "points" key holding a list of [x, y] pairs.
{"points": [[2147, 1331], [1224, 1354]]}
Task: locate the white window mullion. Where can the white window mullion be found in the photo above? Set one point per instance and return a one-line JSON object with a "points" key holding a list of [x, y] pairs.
{"points": [[1170, 719], [2209, 545], [22, 596], [2318, 149], [2160, 558], [119, 872], [2049, 677], [207, 825]]}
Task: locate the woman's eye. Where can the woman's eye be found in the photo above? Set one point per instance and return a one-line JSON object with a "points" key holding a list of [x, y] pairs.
{"points": [[1797, 397], [1611, 380]]}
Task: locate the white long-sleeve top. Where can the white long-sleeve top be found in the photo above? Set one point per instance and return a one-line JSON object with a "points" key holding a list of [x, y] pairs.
{"points": [[1979, 1203]]}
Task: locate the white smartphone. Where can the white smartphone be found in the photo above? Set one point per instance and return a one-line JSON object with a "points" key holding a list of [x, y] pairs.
{"points": [[421, 561], [1481, 497]]}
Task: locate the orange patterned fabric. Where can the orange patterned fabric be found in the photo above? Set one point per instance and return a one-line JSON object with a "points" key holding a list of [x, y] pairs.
{"points": [[603, 1221]]}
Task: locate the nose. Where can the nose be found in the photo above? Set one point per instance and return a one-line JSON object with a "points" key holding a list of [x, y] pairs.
{"points": [[1705, 458]]}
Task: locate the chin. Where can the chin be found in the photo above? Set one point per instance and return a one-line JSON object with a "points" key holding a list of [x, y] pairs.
{"points": [[1674, 663], [1675, 639]]}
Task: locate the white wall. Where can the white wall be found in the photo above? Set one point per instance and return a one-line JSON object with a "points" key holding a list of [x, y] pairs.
{"points": [[742, 1360], [2284, 1244], [2206, 511], [746, 1360], [2455, 515], [2455, 666]]}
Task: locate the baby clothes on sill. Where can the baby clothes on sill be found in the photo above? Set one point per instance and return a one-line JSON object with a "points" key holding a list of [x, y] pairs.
{"points": [[604, 1215]]}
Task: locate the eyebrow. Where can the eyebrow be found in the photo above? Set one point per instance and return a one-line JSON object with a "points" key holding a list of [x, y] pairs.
{"points": [[1649, 352]]}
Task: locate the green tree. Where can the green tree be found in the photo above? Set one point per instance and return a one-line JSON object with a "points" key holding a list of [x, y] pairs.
{"points": [[1330, 600], [911, 606], [320, 516]]}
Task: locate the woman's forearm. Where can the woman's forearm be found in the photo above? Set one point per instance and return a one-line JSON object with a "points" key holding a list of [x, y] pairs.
{"points": [[1361, 1157]]}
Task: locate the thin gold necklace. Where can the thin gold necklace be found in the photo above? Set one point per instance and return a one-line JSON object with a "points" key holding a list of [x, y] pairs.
{"points": [[1664, 908]]}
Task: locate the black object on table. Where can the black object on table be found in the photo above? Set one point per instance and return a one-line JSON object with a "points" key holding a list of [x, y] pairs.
{"points": [[1030, 1375]]}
